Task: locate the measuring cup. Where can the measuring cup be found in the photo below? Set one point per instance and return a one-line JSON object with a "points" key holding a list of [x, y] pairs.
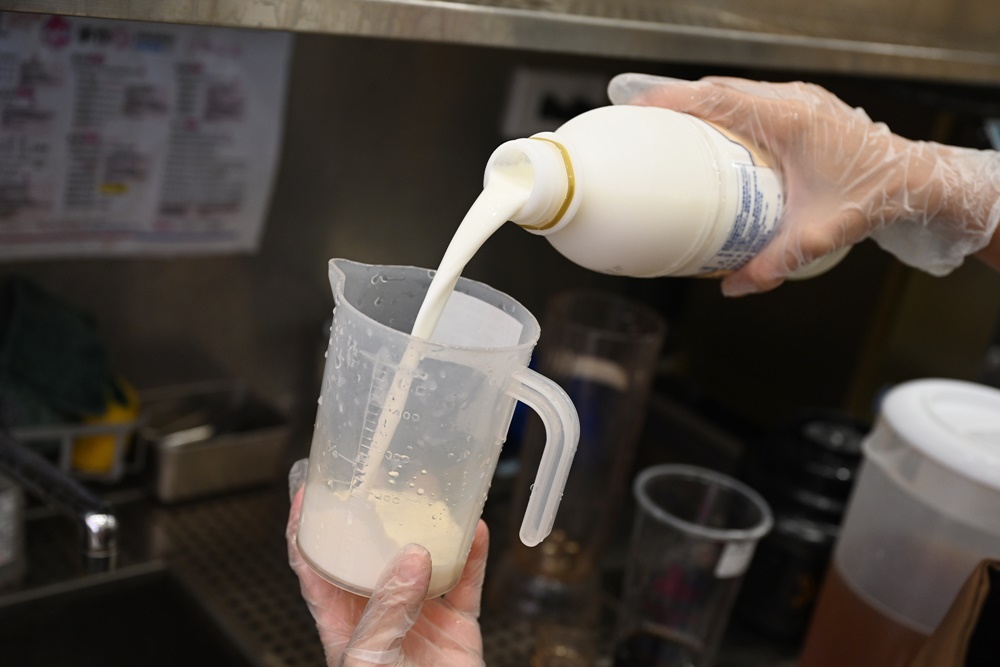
{"points": [[408, 430]]}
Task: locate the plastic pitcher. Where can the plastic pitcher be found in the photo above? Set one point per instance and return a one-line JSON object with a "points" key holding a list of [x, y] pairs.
{"points": [[925, 511], [408, 430]]}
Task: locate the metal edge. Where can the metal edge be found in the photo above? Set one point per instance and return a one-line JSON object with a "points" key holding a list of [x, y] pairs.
{"points": [[452, 22]]}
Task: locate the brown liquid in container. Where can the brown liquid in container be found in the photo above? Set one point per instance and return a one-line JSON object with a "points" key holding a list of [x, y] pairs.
{"points": [[847, 631]]}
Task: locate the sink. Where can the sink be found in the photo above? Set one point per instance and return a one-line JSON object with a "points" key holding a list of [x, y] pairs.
{"points": [[147, 618]]}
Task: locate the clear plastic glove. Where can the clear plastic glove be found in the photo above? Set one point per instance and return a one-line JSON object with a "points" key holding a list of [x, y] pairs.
{"points": [[397, 627], [845, 177]]}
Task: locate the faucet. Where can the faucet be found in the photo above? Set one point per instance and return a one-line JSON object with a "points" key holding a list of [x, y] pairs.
{"points": [[98, 524]]}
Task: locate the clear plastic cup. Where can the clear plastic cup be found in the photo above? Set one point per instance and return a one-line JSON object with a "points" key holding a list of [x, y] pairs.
{"points": [[694, 536], [601, 348]]}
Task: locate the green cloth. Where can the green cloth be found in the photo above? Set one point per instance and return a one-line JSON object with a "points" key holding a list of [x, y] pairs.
{"points": [[54, 366]]}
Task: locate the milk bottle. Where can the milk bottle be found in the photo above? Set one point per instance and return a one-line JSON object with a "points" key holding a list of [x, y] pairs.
{"points": [[626, 190], [645, 192]]}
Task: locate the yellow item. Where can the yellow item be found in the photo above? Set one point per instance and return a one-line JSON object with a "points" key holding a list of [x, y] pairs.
{"points": [[96, 453]]}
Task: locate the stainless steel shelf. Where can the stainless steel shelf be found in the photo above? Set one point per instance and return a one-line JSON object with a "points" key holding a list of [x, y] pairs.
{"points": [[951, 43]]}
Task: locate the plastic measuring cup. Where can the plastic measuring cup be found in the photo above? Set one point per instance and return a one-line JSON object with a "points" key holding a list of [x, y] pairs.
{"points": [[408, 431]]}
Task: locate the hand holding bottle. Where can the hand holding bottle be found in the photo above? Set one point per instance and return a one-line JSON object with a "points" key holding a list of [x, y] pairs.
{"points": [[845, 177]]}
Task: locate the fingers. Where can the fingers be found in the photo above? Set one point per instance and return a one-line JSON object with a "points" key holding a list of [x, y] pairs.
{"points": [[745, 109], [683, 95], [467, 594], [801, 249], [392, 610], [315, 590], [292, 528], [794, 247], [334, 610], [756, 276], [632, 88], [297, 476], [701, 98], [296, 488]]}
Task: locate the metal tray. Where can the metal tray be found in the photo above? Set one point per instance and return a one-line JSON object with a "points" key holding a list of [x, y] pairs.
{"points": [[211, 438]]}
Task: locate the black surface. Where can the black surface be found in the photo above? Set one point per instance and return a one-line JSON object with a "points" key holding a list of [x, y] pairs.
{"points": [[984, 645], [147, 620]]}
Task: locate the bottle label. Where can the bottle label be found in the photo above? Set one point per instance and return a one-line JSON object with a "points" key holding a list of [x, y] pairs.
{"points": [[758, 202]]}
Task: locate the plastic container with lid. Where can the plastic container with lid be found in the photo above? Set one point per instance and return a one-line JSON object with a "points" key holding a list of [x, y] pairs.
{"points": [[645, 191], [925, 511]]}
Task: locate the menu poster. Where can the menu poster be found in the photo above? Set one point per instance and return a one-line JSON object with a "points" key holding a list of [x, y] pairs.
{"points": [[126, 138]]}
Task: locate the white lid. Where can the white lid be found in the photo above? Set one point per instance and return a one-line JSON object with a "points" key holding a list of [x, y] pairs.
{"points": [[955, 423]]}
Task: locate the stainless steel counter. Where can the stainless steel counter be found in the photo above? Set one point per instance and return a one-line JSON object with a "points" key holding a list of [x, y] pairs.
{"points": [[230, 553], [934, 41]]}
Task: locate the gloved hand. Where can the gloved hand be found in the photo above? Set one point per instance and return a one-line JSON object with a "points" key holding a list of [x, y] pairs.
{"points": [[397, 627], [845, 177]]}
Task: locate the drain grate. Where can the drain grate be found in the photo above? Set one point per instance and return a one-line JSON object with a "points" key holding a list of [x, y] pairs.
{"points": [[506, 644], [232, 552]]}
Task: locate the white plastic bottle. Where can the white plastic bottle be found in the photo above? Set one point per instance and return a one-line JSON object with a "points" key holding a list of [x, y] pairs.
{"points": [[645, 191]]}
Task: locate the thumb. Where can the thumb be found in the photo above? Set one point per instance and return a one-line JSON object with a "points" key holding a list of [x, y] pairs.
{"points": [[392, 610]]}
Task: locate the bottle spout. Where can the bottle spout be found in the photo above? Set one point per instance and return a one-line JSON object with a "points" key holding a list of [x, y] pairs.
{"points": [[554, 195]]}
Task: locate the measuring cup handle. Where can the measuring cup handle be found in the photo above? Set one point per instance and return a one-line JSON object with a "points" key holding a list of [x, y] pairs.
{"points": [[562, 429]]}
